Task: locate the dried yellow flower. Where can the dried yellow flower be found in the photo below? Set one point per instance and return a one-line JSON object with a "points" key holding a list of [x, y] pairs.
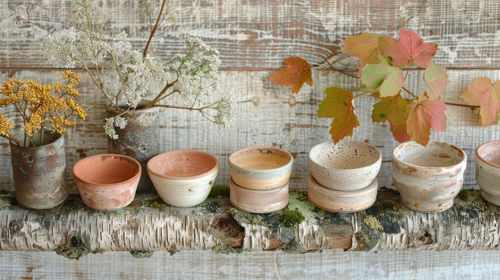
{"points": [[40, 108]]}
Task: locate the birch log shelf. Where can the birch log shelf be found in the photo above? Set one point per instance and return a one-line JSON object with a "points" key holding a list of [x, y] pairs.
{"points": [[259, 139], [147, 224]]}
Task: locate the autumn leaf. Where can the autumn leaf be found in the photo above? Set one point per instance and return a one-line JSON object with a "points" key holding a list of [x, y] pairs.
{"points": [[368, 47], [383, 77], [436, 79], [411, 48], [338, 105], [393, 109], [424, 115], [481, 92], [297, 72]]}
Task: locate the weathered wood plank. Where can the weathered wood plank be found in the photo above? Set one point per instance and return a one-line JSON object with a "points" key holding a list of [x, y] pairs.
{"points": [[73, 230], [255, 265], [269, 115], [260, 34]]}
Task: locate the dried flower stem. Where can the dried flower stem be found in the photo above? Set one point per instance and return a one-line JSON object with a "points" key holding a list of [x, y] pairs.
{"points": [[152, 33]]}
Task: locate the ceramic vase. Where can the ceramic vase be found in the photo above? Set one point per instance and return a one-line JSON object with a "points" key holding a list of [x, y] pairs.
{"points": [[38, 173], [140, 139]]}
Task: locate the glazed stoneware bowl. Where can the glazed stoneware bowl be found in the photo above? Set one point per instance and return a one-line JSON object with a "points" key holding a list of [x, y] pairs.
{"points": [[341, 201], [488, 171], [346, 166], [258, 200], [107, 181], [428, 178], [260, 167], [183, 178]]}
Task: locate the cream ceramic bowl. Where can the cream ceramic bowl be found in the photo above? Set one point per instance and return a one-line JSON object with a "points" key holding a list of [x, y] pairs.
{"points": [[341, 201], [488, 171], [346, 166], [428, 178], [183, 178], [258, 201], [260, 167]]}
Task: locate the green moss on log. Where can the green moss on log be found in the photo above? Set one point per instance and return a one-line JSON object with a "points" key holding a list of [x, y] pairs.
{"points": [[74, 248], [372, 223], [291, 218], [141, 254], [219, 191]]}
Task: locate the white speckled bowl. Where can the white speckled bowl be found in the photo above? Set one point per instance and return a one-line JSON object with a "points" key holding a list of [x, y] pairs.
{"points": [[341, 201], [346, 166]]}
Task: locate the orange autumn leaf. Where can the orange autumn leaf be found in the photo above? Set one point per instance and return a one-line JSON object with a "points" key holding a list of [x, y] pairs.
{"points": [[424, 115], [368, 47], [481, 92], [411, 48], [338, 105], [295, 74]]}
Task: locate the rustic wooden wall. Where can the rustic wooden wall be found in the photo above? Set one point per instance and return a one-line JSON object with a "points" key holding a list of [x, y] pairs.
{"points": [[254, 37]]}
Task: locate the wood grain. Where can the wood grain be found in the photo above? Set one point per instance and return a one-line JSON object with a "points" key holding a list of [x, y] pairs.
{"points": [[268, 114], [260, 34], [204, 265]]}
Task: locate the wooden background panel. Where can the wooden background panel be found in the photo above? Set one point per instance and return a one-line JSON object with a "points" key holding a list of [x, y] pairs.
{"points": [[259, 34], [255, 265], [268, 114]]}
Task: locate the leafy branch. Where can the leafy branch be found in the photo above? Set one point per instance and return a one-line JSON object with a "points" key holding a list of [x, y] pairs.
{"points": [[382, 62]]}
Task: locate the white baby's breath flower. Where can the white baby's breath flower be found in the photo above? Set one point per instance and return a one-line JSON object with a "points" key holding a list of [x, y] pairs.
{"points": [[113, 123]]}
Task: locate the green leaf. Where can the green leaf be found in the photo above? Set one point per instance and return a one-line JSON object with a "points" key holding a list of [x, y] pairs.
{"points": [[383, 77], [436, 79]]}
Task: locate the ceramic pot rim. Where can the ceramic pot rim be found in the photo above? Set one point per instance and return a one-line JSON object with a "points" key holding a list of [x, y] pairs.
{"points": [[59, 139], [369, 188], [233, 183], [282, 168], [379, 159], [479, 157], [429, 168], [215, 168], [131, 179]]}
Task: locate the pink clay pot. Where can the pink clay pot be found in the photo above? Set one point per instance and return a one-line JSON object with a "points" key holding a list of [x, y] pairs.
{"points": [[107, 181]]}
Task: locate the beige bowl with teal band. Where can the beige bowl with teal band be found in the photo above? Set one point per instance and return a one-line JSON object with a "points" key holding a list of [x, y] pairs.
{"points": [[260, 167]]}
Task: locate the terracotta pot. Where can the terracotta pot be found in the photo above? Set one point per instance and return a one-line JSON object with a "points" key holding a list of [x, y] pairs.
{"points": [[107, 181], [428, 178], [348, 165], [39, 174], [341, 201], [260, 167], [140, 139], [258, 200], [183, 178], [488, 171]]}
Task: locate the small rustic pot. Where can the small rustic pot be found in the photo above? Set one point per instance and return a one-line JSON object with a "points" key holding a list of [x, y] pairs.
{"points": [[345, 166], [258, 200], [488, 171], [107, 181], [341, 201], [428, 178], [140, 139], [183, 178], [39, 173], [260, 167]]}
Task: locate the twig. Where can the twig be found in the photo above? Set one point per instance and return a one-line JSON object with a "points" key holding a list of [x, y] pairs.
{"points": [[345, 73], [472, 107], [152, 33], [180, 107], [409, 92]]}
